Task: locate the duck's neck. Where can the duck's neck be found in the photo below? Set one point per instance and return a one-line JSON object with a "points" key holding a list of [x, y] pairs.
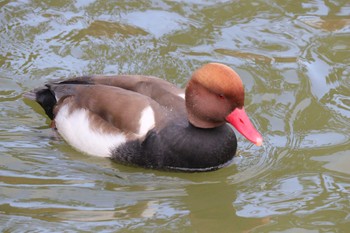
{"points": [[202, 123]]}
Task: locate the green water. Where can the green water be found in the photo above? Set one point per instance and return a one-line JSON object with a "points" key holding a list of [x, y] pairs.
{"points": [[294, 60]]}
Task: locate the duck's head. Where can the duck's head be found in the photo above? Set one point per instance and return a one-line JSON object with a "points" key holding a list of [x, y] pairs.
{"points": [[215, 96]]}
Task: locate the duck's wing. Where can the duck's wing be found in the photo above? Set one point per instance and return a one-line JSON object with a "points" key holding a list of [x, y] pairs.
{"points": [[161, 91], [125, 110], [121, 109]]}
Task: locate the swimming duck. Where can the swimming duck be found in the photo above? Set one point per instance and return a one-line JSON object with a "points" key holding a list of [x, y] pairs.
{"points": [[149, 122]]}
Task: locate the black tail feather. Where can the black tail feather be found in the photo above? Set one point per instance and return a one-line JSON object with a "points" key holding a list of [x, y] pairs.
{"points": [[45, 97]]}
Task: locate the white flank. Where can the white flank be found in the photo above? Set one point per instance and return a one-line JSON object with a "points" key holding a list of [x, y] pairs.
{"points": [[147, 121], [76, 130], [182, 95]]}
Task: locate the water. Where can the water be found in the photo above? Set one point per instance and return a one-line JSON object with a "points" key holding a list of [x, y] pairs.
{"points": [[294, 60]]}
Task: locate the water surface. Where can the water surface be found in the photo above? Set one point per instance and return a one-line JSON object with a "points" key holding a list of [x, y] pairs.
{"points": [[294, 60]]}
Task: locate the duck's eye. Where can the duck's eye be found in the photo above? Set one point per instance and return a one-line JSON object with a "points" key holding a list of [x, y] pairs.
{"points": [[221, 96]]}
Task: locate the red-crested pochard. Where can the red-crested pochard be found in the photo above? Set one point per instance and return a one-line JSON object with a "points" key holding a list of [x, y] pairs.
{"points": [[149, 122]]}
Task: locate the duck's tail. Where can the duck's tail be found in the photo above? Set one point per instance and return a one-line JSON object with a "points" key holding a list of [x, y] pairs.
{"points": [[45, 97]]}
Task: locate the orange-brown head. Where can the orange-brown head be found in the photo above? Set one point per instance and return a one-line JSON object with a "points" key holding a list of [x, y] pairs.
{"points": [[213, 93], [221, 80]]}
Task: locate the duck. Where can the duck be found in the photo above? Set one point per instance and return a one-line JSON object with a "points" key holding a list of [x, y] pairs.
{"points": [[149, 122]]}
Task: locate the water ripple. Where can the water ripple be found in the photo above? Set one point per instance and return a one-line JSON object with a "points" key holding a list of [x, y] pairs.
{"points": [[293, 58], [295, 195]]}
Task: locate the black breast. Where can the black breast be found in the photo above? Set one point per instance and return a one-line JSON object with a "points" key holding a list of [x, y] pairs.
{"points": [[181, 147]]}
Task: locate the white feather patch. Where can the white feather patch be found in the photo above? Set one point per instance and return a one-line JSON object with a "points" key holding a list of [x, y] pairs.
{"points": [[182, 95], [75, 128], [147, 121]]}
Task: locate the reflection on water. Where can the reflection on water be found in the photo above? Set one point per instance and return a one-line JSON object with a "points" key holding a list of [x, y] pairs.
{"points": [[293, 58]]}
